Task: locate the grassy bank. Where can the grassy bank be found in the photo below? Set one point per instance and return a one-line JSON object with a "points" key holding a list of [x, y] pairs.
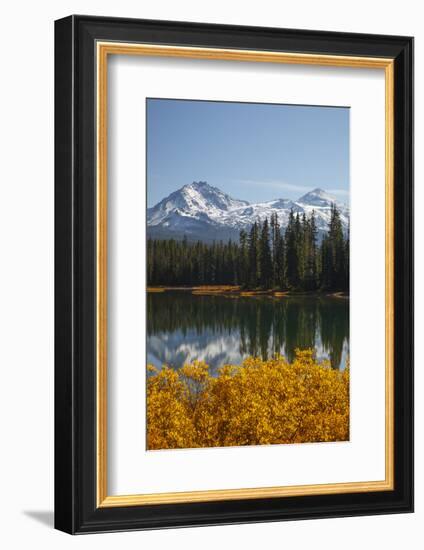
{"points": [[233, 290], [257, 403]]}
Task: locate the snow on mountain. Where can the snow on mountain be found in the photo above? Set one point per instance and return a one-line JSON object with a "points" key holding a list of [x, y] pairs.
{"points": [[317, 197], [192, 200], [200, 211]]}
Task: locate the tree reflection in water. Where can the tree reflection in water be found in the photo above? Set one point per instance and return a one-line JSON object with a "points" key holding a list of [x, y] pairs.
{"points": [[220, 329]]}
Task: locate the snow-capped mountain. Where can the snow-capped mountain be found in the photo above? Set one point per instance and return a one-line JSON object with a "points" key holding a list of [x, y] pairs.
{"points": [[200, 211], [193, 200]]}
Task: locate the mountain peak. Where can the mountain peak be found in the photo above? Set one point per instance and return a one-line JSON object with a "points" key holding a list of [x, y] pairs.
{"points": [[203, 212], [201, 195], [196, 185], [318, 191], [317, 197], [196, 200]]}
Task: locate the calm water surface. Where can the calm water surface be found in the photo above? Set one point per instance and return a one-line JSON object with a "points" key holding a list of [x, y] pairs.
{"points": [[182, 327]]}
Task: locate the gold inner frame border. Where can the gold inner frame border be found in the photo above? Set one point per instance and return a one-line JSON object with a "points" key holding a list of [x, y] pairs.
{"points": [[103, 50]]}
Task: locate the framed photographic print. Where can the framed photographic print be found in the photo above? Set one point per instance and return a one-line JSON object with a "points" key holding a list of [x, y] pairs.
{"points": [[233, 274]]}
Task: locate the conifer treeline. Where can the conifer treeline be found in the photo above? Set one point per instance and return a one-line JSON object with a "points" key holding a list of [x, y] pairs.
{"points": [[264, 257]]}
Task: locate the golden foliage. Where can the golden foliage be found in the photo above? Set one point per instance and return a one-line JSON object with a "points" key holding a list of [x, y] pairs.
{"points": [[257, 403]]}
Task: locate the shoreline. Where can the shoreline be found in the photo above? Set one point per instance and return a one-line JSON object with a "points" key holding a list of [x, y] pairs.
{"points": [[236, 291]]}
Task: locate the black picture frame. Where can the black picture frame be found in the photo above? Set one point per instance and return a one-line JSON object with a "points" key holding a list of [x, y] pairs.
{"points": [[75, 275]]}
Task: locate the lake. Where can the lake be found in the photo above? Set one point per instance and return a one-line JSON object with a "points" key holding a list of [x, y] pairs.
{"points": [[182, 327]]}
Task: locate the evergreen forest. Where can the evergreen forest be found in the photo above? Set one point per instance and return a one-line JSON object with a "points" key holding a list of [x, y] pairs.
{"points": [[264, 258]]}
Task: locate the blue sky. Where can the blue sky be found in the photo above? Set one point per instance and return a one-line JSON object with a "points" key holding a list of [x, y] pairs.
{"points": [[255, 152]]}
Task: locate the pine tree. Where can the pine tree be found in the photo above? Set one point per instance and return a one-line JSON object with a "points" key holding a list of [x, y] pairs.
{"points": [[326, 264], [314, 252], [310, 253], [292, 260], [335, 234], [265, 258], [334, 255], [280, 264], [300, 247], [253, 258], [278, 253], [346, 266], [243, 261]]}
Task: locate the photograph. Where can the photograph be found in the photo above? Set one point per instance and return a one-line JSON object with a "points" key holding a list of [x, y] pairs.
{"points": [[233, 268], [247, 273]]}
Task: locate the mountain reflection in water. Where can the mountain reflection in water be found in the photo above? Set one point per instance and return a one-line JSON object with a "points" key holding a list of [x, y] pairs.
{"points": [[182, 327]]}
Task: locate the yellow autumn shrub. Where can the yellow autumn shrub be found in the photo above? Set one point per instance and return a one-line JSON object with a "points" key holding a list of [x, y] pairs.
{"points": [[256, 403]]}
